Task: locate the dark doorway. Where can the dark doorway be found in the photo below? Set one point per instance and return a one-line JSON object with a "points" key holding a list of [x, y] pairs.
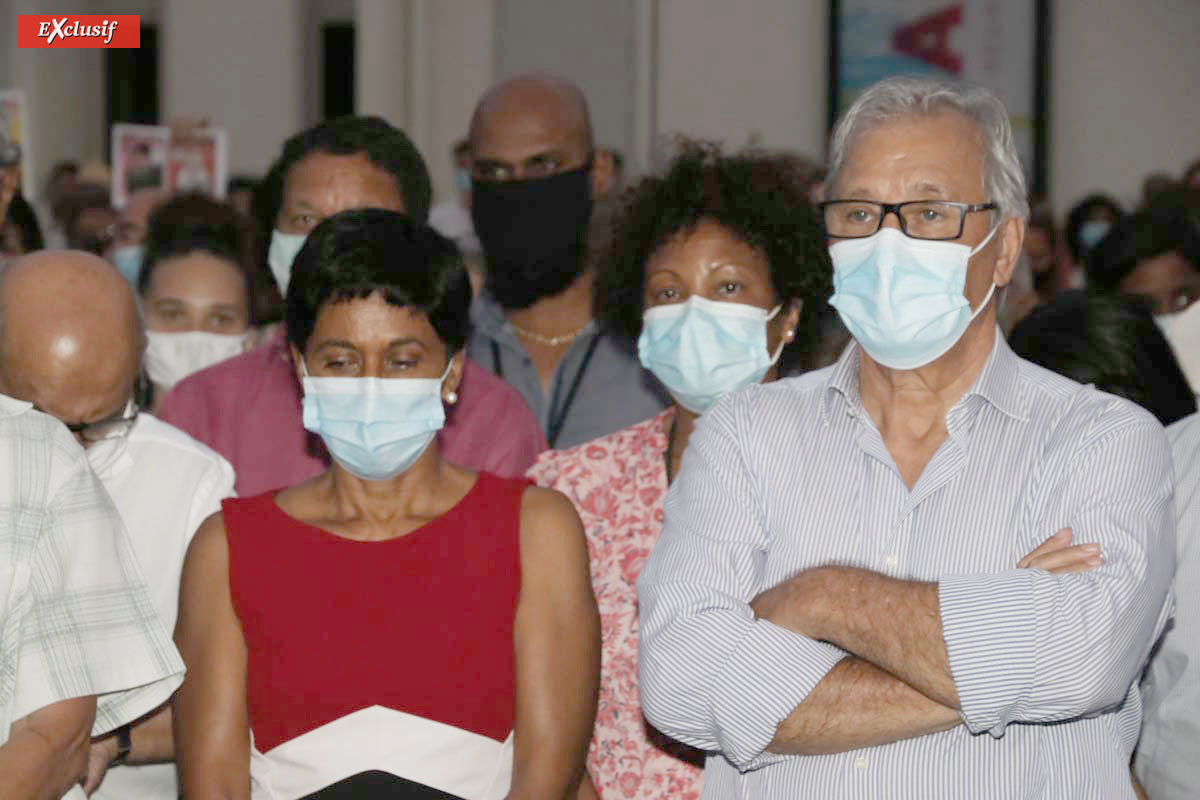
{"points": [[132, 82], [337, 69]]}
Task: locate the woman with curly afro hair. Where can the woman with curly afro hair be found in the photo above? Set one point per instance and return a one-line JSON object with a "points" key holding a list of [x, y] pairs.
{"points": [[717, 269]]}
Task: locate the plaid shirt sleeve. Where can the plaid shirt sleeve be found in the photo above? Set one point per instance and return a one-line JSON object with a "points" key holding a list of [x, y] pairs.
{"points": [[75, 615]]}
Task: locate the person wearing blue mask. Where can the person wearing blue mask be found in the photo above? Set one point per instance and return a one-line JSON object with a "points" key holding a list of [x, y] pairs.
{"points": [[397, 625], [716, 270], [838, 604]]}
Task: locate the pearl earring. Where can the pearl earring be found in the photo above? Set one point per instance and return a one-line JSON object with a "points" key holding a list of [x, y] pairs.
{"points": [[789, 334], [451, 398]]}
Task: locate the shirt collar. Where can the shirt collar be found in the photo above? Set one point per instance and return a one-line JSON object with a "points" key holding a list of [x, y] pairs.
{"points": [[999, 384], [12, 407]]}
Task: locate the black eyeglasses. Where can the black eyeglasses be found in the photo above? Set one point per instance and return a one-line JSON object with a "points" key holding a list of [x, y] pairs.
{"points": [[113, 427], [919, 219]]}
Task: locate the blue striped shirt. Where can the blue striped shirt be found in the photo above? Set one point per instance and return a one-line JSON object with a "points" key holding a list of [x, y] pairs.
{"points": [[793, 475]]}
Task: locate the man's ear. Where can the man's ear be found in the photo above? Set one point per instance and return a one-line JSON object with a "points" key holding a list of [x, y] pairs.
{"points": [[603, 172], [1012, 237]]}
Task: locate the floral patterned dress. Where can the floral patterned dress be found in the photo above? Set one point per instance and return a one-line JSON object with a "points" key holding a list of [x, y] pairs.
{"points": [[618, 484]]}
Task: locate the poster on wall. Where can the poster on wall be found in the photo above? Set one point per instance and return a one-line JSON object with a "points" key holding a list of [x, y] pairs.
{"points": [[999, 44], [155, 157], [14, 135]]}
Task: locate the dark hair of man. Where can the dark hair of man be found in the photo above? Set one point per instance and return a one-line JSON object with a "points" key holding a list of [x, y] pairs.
{"points": [[759, 197], [386, 147], [79, 201], [22, 217], [1149, 233], [1109, 340], [1081, 213], [195, 223], [358, 253]]}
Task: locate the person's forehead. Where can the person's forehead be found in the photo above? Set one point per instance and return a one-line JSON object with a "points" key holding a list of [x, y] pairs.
{"points": [[332, 173], [198, 275], [943, 149], [514, 131]]}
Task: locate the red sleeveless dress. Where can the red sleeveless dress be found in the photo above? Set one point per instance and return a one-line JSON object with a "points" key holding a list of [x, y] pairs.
{"points": [[387, 664]]}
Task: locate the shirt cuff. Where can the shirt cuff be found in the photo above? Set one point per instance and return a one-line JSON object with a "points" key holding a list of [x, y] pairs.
{"points": [[770, 672], [990, 628]]}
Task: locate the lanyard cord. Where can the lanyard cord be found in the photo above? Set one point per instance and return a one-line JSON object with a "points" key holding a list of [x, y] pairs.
{"points": [[557, 421]]}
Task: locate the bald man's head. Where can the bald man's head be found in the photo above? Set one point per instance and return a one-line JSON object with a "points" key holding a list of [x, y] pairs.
{"points": [[70, 335], [530, 126]]}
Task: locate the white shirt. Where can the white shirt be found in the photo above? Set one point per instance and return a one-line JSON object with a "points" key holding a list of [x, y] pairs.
{"points": [[75, 616], [1168, 758], [164, 483]]}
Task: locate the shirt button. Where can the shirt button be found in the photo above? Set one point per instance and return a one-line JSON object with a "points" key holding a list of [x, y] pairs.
{"points": [[850, 412], [860, 762], [890, 561]]}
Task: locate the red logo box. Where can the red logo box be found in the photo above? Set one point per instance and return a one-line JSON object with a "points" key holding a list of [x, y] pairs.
{"points": [[80, 30]]}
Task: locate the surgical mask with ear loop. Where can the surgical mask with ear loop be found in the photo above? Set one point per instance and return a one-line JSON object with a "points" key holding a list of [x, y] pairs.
{"points": [[376, 428], [902, 298], [702, 349]]}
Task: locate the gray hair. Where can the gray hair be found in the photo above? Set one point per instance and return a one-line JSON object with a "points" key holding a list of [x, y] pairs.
{"points": [[1003, 179]]}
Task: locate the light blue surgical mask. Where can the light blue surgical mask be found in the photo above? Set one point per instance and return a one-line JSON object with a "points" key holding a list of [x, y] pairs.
{"points": [[375, 428], [1091, 232], [462, 180], [281, 254], [128, 261], [902, 298], [703, 348]]}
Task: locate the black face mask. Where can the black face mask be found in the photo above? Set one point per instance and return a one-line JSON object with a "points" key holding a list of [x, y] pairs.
{"points": [[533, 233]]}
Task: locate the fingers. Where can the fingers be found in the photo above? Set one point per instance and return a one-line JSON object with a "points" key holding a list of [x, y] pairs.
{"points": [[1078, 558], [1056, 542]]}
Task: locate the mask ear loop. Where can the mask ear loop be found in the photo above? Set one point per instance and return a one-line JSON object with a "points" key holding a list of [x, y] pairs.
{"points": [[782, 339], [992, 289]]}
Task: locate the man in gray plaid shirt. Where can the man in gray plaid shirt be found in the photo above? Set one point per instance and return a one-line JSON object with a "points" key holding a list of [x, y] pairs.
{"points": [[81, 648]]}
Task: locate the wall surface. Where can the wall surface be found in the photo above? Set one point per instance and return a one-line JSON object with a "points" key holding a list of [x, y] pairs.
{"points": [[1121, 90], [240, 63], [1123, 95]]}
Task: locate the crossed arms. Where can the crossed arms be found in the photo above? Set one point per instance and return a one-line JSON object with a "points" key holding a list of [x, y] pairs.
{"points": [[838, 658]]}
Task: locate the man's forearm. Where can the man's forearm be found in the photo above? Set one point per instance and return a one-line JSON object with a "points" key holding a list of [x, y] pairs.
{"points": [[859, 705], [47, 752], [894, 624]]}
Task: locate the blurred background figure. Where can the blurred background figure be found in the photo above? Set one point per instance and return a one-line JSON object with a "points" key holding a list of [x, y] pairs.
{"points": [[1086, 224], [197, 289], [1110, 341], [1191, 176], [239, 193], [19, 232], [452, 218], [91, 221], [52, 210], [128, 242]]}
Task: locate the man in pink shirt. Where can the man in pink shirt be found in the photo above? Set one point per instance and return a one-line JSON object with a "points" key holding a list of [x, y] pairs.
{"points": [[248, 408]]}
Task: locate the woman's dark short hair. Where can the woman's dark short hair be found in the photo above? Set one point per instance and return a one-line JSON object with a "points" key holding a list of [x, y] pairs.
{"points": [[196, 223], [386, 147], [1112, 341], [358, 253], [760, 197], [1149, 233], [22, 217]]}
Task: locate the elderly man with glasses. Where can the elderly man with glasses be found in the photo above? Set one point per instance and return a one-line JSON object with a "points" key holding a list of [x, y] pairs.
{"points": [[71, 344], [932, 569]]}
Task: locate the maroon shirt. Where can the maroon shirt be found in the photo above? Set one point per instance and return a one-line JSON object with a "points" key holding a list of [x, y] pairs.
{"points": [[248, 410]]}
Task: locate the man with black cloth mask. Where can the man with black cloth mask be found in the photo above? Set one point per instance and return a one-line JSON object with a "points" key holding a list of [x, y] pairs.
{"points": [[535, 173]]}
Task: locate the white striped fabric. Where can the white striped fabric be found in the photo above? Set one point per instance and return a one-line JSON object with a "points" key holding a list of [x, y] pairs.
{"points": [[452, 760], [795, 474]]}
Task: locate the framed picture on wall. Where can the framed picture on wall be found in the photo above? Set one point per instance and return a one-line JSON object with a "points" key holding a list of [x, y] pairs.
{"points": [[1000, 44]]}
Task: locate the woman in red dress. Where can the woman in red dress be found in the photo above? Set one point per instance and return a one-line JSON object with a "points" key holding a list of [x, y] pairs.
{"points": [[396, 626]]}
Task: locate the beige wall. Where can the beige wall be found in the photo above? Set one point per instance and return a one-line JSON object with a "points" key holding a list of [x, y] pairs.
{"points": [[1123, 94], [741, 71], [239, 63]]}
